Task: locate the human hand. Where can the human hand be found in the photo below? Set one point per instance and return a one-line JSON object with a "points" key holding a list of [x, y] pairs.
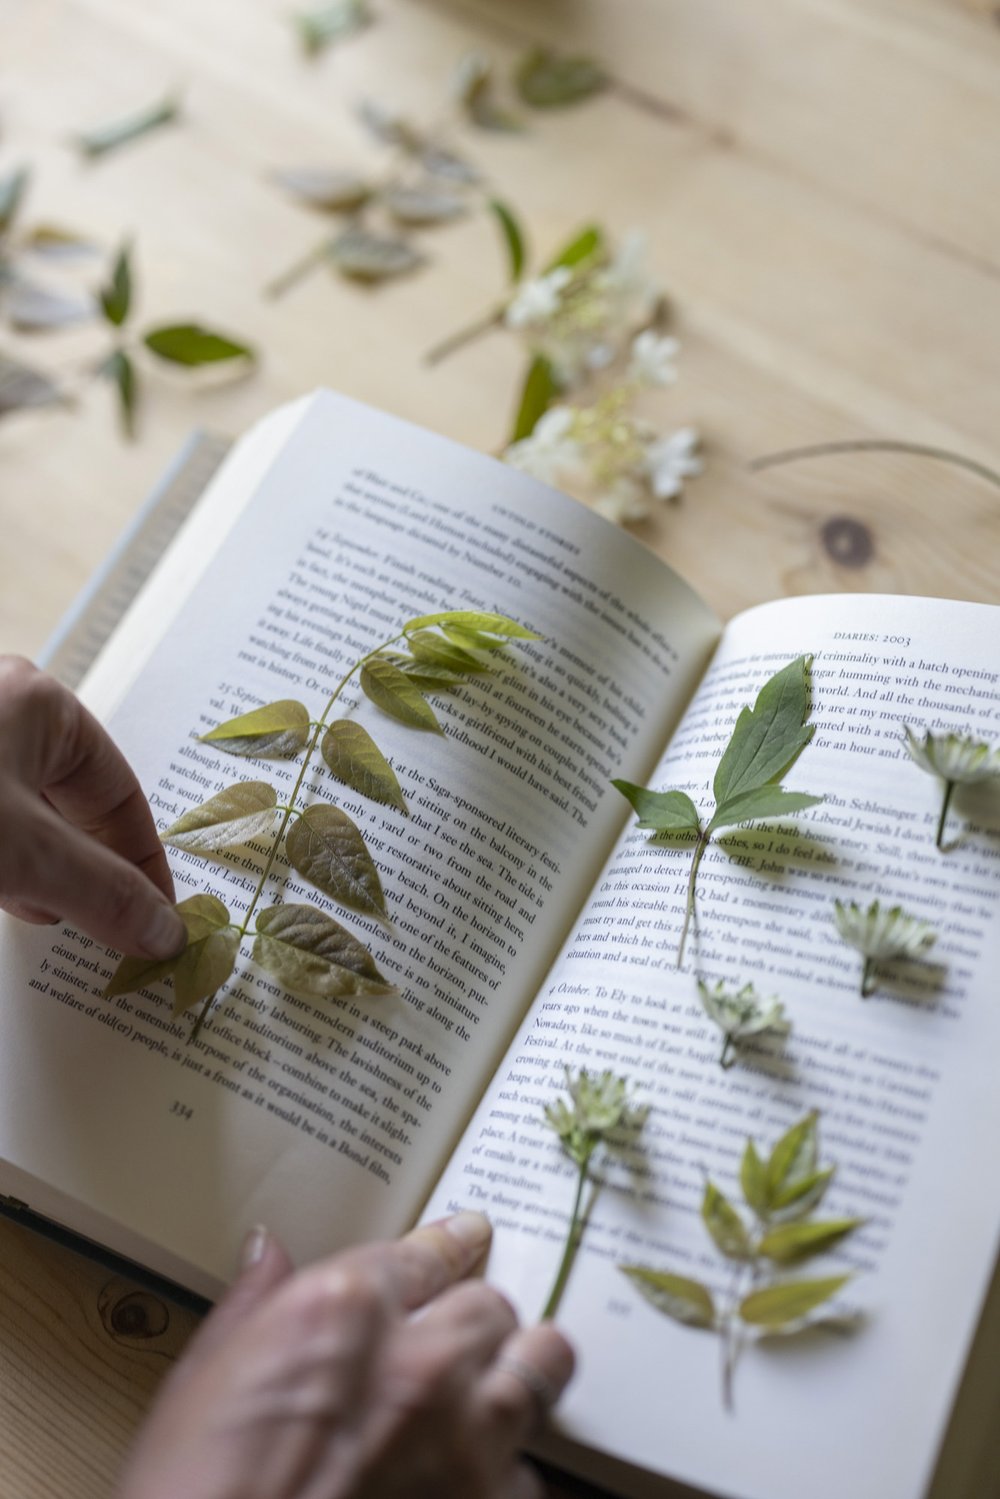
{"points": [[78, 838], [378, 1374]]}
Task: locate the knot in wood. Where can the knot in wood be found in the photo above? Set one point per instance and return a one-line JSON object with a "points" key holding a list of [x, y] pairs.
{"points": [[137, 1315], [847, 541]]}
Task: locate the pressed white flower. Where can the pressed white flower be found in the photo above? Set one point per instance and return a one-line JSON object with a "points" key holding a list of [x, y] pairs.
{"points": [[741, 1013], [881, 935], [671, 460], [623, 500], [652, 358], [958, 759], [598, 1103], [550, 450], [537, 301]]}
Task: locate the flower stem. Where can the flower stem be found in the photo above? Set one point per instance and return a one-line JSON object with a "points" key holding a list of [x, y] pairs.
{"points": [[573, 1238], [868, 979], [296, 272], [463, 336], [949, 787], [728, 1056], [689, 909]]}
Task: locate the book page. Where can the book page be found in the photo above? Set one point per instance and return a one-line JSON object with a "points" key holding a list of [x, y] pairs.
{"points": [[904, 1080], [330, 1121]]}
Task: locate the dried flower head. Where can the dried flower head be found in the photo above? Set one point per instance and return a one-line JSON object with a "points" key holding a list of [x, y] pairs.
{"points": [[740, 1014], [881, 935], [598, 1104], [958, 759]]}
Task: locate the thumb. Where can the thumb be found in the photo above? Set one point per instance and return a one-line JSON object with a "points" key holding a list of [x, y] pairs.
{"points": [[264, 1265]]}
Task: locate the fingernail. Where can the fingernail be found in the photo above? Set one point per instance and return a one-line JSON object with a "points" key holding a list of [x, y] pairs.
{"points": [[165, 932], [254, 1247], [472, 1230]]}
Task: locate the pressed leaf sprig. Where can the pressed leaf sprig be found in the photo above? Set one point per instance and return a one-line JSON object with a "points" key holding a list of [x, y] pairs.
{"points": [[782, 1194], [741, 1014], [766, 741], [881, 934], [598, 1113], [956, 759], [308, 952]]}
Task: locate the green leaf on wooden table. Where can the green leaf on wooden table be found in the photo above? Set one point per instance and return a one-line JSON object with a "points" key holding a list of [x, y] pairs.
{"points": [[352, 755], [204, 967], [768, 736], [681, 1298], [586, 244], [724, 1224], [424, 204], [765, 802], [115, 296], [105, 138], [201, 915], [433, 650], [333, 22], [513, 236], [31, 308], [753, 1180], [396, 694], [227, 820], [546, 80], [473, 619], [794, 1157], [661, 811], [539, 391], [781, 1305], [22, 387], [363, 256], [790, 1243], [12, 190], [192, 345], [54, 243], [327, 849], [330, 190], [120, 371], [313, 956], [276, 731]]}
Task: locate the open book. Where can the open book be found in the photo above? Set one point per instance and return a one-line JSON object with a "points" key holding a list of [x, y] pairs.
{"points": [[533, 925]]}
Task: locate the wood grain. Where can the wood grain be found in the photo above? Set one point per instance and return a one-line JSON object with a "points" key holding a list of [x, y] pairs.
{"points": [[817, 179]]}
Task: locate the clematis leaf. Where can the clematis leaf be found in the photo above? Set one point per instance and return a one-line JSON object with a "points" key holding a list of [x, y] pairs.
{"points": [[781, 1305], [98, 142], [681, 1298], [313, 956], [201, 915], [363, 256], [327, 849], [768, 736], [396, 694], [278, 730], [227, 820], [352, 755], [191, 345], [547, 81], [766, 801], [661, 811]]}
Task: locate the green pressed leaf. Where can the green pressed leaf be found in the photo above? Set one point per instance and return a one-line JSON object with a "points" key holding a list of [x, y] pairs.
{"points": [[685, 1300], [513, 236], [753, 1180], [766, 801], [473, 619], [587, 243], [55, 243], [327, 849], [227, 820], [12, 190], [363, 256], [803, 1195], [397, 694], [276, 731], [424, 205], [31, 308], [22, 387], [547, 81], [724, 1224], [768, 736], [352, 755], [204, 967], [201, 915], [313, 956], [432, 650], [537, 394], [192, 345], [320, 28], [473, 640], [105, 138], [427, 678], [439, 162], [794, 1157], [661, 811], [115, 296], [790, 1243], [331, 191], [778, 1306], [120, 371]]}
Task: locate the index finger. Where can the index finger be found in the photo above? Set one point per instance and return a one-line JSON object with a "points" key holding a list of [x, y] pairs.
{"points": [[416, 1268]]}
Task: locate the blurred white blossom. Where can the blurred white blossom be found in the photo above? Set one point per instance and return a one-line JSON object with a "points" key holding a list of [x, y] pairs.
{"points": [[671, 460], [551, 451], [536, 302], [652, 361]]}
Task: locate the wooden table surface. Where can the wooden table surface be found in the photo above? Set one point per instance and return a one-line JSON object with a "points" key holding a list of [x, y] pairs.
{"points": [[818, 181]]}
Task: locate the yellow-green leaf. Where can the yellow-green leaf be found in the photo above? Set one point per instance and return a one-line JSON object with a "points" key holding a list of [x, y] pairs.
{"points": [[363, 256], [685, 1300], [327, 849], [539, 390], [513, 235], [433, 650], [724, 1224], [227, 820], [396, 694], [330, 190], [793, 1157], [802, 1195], [353, 757], [587, 243], [313, 956], [474, 619], [790, 1243], [278, 730], [753, 1180], [781, 1305], [424, 205], [547, 81], [201, 915], [191, 345], [204, 967]]}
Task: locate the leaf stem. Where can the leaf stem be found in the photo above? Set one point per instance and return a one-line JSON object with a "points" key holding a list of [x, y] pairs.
{"points": [[868, 979], [572, 1244], [299, 269], [463, 336], [703, 840], [949, 787]]}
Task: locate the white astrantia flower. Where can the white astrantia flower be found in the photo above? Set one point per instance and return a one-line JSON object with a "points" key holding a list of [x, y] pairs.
{"points": [[740, 1014], [881, 934], [537, 301], [624, 500], [958, 759], [599, 1103], [671, 460], [551, 449], [652, 359]]}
